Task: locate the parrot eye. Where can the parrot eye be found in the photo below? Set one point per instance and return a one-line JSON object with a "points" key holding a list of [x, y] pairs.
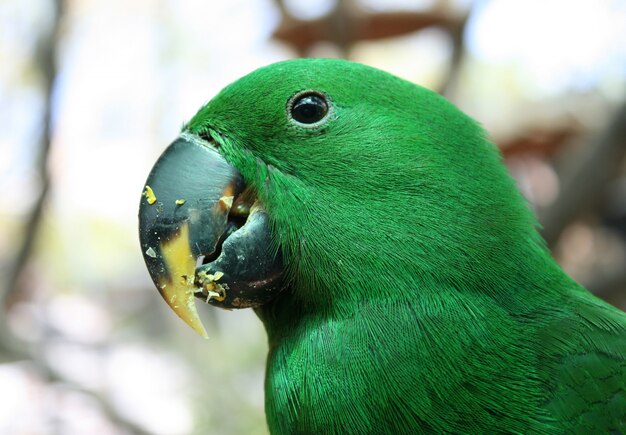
{"points": [[308, 108]]}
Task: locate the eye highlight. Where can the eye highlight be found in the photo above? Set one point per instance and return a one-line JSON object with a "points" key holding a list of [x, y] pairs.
{"points": [[308, 108]]}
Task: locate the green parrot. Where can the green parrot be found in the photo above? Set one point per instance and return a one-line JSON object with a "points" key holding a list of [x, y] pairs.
{"points": [[397, 270]]}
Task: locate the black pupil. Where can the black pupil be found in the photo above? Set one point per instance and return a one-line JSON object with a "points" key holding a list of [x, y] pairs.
{"points": [[309, 109]]}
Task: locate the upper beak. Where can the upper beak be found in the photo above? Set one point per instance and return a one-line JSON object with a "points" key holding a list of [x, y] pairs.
{"points": [[195, 208]]}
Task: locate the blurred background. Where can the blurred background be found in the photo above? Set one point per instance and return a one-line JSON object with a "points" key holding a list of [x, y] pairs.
{"points": [[91, 91]]}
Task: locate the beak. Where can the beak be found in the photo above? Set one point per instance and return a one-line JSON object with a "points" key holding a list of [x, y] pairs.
{"points": [[204, 234]]}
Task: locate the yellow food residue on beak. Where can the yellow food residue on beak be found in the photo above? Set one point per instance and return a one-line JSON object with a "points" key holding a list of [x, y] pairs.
{"points": [[178, 290], [149, 194]]}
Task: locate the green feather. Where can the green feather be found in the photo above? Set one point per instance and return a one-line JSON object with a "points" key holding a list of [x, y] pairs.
{"points": [[420, 296]]}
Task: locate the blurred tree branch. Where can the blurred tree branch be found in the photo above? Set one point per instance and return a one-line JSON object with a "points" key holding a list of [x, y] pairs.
{"points": [[456, 30], [585, 177], [45, 62], [348, 23]]}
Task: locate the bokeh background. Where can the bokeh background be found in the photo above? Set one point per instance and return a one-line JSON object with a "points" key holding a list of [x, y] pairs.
{"points": [[91, 91]]}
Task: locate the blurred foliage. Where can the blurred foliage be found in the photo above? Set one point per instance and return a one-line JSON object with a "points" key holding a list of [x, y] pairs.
{"points": [[86, 344]]}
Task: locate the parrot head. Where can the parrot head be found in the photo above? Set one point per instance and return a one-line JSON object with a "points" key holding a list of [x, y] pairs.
{"points": [[323, 183]]}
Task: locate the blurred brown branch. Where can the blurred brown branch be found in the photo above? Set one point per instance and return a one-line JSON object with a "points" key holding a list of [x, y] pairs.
{"points": [[585, 177], [540, 141], [456, 30], [347, 24], [45, 60]]}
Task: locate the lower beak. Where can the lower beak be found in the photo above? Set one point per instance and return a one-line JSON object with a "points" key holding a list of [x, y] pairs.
{"points": [[187, 218]]}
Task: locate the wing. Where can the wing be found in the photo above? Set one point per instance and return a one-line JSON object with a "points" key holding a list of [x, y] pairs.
{"points": [[584, 359]]}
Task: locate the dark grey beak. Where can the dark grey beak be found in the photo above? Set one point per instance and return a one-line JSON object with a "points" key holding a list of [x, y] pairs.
{"points": [[203, 234]]}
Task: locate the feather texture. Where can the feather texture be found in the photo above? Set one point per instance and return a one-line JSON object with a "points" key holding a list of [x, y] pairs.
{"points": [[420, 296]]}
